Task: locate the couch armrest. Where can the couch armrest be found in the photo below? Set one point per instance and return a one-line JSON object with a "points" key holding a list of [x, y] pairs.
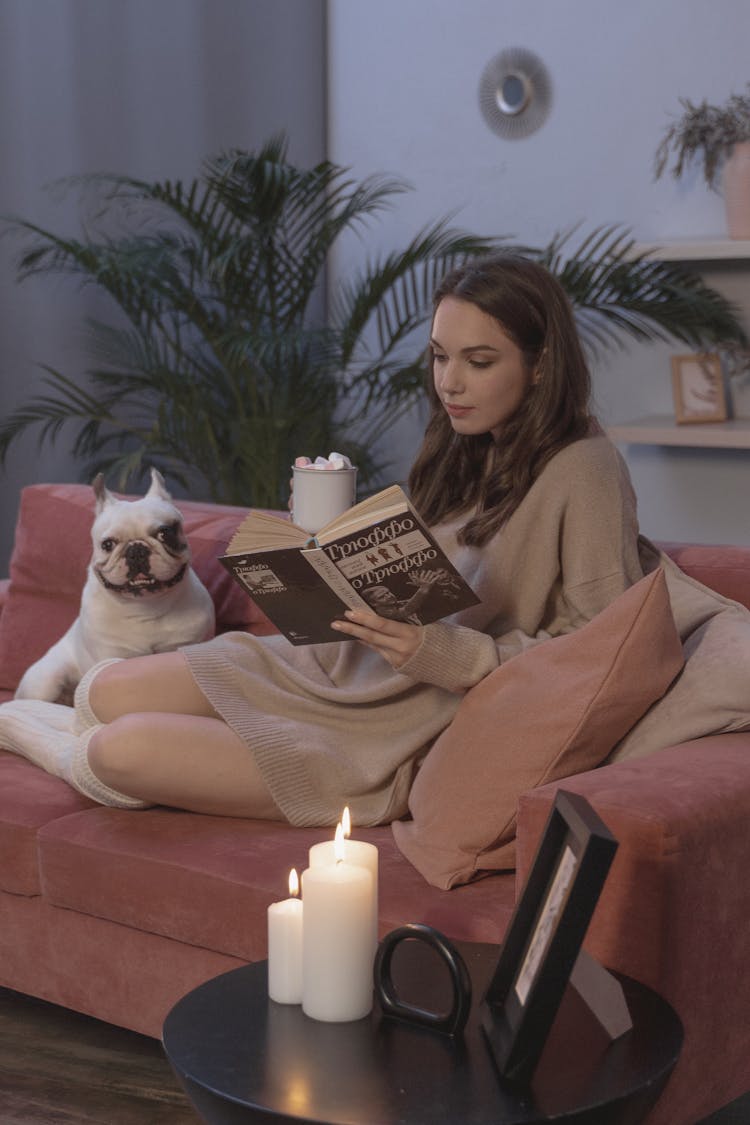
{"points": [[4, 587], [675, 908]]}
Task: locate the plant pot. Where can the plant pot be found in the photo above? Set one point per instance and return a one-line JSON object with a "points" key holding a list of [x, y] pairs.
{"points": [[737, 190]]}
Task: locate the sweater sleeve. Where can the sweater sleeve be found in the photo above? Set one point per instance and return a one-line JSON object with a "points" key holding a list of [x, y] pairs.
{"points": [[455, 657], [568, 551], [598, 550]]}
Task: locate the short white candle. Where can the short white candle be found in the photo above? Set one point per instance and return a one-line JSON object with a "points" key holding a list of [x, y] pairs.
{"points": [[285, 928], [357, 852], [337, 946]]}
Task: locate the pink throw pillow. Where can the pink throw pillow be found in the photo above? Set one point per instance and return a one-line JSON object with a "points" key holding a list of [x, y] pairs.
{"points": [[555, 710]]}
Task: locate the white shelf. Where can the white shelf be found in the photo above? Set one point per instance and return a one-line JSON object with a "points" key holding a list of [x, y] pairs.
{"points": [[696, 250], [663, 430]]}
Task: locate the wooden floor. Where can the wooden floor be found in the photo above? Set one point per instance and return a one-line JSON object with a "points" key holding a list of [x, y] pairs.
{"points": [[61, 1068]]}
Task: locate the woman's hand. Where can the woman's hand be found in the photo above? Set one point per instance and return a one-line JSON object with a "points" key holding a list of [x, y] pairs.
{"points": [[396, 641]]}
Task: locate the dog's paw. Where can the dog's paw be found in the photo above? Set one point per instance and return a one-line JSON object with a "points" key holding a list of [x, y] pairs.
{"points": [[48, 689]]}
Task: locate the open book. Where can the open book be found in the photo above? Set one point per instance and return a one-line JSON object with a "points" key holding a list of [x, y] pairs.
{"points": [[377, 555]]}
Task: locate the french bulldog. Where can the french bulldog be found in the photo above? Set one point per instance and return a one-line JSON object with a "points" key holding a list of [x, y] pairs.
{"points": [[141, 594]]}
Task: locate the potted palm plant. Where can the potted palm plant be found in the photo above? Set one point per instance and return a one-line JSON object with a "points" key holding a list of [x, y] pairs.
{"points": [[719, 137], [227, 356], [222, 363]]}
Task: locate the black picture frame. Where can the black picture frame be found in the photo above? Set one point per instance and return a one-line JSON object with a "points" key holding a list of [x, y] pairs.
{"points": [[545, 935]]}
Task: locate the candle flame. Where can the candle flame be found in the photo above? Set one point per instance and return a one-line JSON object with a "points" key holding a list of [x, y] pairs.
{"points": [[346, 822], [293, 883], [338, 843]]}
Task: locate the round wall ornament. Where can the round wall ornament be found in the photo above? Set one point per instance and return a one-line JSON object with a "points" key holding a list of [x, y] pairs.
{"points": [[515, 93]]}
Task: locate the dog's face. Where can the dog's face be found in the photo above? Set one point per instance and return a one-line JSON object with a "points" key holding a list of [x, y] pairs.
{"points": [[139, 546]]}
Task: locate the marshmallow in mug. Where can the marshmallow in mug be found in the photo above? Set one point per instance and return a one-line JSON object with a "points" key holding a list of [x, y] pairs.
{"points": [[332, 461]]}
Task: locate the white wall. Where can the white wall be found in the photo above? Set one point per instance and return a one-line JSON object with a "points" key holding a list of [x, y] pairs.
{"points": [[403, 79], [144, 87], [152, 86]]}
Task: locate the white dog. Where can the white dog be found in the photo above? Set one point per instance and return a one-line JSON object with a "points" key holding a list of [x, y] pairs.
{"points": [[141, 593]]}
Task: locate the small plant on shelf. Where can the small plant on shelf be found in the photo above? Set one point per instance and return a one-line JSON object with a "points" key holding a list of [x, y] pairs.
{"points": [[706, 132], [735, 359]]}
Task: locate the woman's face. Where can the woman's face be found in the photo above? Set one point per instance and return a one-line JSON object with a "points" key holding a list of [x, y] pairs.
{"points": [[479, 373]]}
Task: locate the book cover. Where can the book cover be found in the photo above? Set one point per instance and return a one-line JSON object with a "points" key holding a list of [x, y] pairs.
{"points": [[381, 557]]}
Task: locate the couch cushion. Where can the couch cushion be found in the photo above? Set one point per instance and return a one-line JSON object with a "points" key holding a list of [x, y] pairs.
{"points": [[711, 693], [51, 551], [710, 696], [29, 798], [556, 709], [724, 569], [208, 880]]}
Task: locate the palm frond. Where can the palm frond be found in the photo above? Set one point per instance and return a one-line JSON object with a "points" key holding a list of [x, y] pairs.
{"points": [[219, 366], [396, 292], [619, 294]]}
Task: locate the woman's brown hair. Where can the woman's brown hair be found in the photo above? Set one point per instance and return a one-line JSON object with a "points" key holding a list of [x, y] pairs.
{"points": [[455, 473]]}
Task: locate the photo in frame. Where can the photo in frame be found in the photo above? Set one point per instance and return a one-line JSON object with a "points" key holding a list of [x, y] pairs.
{"points": [[698, 388], [545, 935]]}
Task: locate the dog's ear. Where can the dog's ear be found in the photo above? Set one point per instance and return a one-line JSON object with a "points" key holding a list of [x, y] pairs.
{"points": [[158, 488], [101, 492]]}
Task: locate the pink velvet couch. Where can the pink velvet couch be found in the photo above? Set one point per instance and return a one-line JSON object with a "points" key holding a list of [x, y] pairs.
{"points": [[118, 914]]}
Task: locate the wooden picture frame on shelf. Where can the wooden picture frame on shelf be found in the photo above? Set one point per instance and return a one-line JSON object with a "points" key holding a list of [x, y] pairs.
{"points": [[698, 388]]}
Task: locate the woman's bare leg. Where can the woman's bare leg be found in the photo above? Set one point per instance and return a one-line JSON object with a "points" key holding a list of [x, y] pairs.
{"points": [[163, 742], [160, 682], [185, 761]]}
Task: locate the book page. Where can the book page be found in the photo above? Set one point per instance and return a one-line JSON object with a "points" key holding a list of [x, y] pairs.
{"points": [[262, 531], [370, 510]]}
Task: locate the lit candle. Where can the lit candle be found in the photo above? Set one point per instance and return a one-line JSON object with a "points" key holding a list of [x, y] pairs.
{"points": [[285, 947], [356, 852], [337, 947]]}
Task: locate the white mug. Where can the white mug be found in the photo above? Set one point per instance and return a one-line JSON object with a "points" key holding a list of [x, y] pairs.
{"points": [[319, 495]]}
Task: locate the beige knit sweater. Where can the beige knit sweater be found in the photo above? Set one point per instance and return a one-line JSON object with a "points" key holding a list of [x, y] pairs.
{"points": [[333, 724]]}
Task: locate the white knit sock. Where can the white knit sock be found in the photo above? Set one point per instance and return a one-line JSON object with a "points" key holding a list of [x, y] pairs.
{"points": [[78, 773], [85, 716], [36, 730], [43, 734]]}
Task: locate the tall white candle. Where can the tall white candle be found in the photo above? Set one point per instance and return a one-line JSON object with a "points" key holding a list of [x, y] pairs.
{"points": [[285, 926], [357, 852], [337, 947]]}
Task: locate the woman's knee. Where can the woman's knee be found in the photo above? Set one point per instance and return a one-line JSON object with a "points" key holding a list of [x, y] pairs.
{"points": [[157, 682], [118, 751]]}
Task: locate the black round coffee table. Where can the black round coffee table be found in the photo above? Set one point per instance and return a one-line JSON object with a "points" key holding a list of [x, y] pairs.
{"points": [[243, 1058]]}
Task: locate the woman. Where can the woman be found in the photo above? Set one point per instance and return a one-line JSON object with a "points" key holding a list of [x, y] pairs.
{"points": [[530, 501]]}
